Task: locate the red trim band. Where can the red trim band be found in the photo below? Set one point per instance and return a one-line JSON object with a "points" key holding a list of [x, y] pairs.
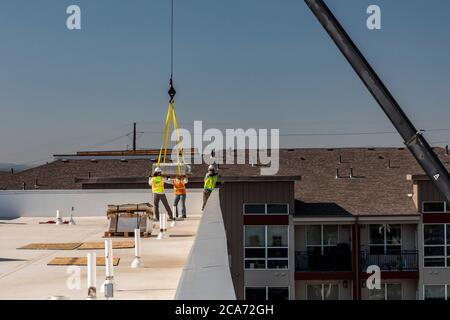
{"points": [[436, 217], [319, 275]]}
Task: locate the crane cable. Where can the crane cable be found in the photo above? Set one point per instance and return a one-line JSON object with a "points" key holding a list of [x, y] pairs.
{"points": [[171, 117], [171, 39]]}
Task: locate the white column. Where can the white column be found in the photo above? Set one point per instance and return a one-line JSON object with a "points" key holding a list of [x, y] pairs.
{"points": [[108, 285], [162, 226], [137, 262], [92, 275], [72, 221], [137, 243], [58, 217], [109, 259]]}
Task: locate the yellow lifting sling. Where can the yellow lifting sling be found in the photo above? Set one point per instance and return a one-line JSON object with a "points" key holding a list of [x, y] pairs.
{"points": [[171, 118]]}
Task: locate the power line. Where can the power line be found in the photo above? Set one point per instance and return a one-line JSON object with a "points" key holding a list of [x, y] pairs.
{"points": [[304, 134], [109, 141], [323, 134]]}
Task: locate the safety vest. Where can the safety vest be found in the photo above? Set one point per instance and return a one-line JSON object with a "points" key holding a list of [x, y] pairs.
{"points": [[158, 184], [179, 186], [210, 182]]}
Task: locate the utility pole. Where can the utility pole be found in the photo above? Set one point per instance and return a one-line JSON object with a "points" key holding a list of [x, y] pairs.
{"points": [[134, 136]]}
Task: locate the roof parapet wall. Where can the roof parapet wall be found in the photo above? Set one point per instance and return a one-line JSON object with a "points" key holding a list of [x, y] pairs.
{"points": [[207, 275]]}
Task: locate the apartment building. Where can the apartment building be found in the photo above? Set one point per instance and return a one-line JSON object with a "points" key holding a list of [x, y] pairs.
{"points": [[316, 236], [333, 255], [312, 231], [257, 214], [280, 253], [434, 240]]}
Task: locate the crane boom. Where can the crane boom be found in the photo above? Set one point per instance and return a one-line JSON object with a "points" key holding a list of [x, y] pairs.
{"points": [[413, 138]]}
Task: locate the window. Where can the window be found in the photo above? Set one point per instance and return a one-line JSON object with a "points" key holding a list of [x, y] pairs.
{"points": [[377, 294], [388, 291], [277, 294], [448, 244], [433, 206], [277, 208], [321, 239], [255, 247], [267, 293], [324, 291], [436, 238], [253, 294], [314, 292], [385, 239], [436, 292], [254, 209], [277, 247], [266, 208], [393, 291], [266, 247]]}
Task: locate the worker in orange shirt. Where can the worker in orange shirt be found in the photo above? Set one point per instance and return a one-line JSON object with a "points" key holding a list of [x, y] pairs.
{"points": [[179, 189]]}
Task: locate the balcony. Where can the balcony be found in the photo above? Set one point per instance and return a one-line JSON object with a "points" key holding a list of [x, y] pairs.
{"points": [[406, 260], [333, 261]]}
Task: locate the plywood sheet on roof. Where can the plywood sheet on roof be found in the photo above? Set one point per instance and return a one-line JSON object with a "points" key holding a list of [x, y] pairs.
{"points": [[101, 245], [182, 235], [78, 261], [51, 246]]}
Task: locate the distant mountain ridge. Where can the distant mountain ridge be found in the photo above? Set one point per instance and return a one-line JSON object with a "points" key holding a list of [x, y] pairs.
{"points": [[17, 167]]}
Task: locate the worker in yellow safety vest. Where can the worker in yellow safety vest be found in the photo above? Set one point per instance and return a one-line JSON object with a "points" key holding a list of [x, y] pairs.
{"points": [[210, 183], [179, 189], [157, 183]]}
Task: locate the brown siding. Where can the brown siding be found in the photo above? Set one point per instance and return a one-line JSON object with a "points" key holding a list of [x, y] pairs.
{"points": [[232, 197], [428, 192]]}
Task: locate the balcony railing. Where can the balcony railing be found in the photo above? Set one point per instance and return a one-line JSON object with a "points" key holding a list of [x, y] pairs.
{"points": [[402, 261], [313, 261]]}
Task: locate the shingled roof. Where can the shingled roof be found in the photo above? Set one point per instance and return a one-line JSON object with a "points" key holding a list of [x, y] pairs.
{"points": [[378, 186], [4, 173]]}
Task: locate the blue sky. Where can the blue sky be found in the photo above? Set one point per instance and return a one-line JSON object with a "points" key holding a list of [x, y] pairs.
{"points": [[238, 63]]}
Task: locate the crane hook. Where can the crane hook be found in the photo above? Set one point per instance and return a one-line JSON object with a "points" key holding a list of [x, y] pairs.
{"points": [[172, 92]]}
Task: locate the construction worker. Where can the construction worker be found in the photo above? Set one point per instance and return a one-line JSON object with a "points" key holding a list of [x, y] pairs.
{"points": [[157, 184], [179, 189], [210, 182]]}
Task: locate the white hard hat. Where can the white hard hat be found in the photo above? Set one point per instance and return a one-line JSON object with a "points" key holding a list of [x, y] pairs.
{"points": [[157, 170], [211, 168]]}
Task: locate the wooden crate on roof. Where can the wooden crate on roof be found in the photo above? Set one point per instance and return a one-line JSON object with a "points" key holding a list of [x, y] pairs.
{"points": [[125, 218]]}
